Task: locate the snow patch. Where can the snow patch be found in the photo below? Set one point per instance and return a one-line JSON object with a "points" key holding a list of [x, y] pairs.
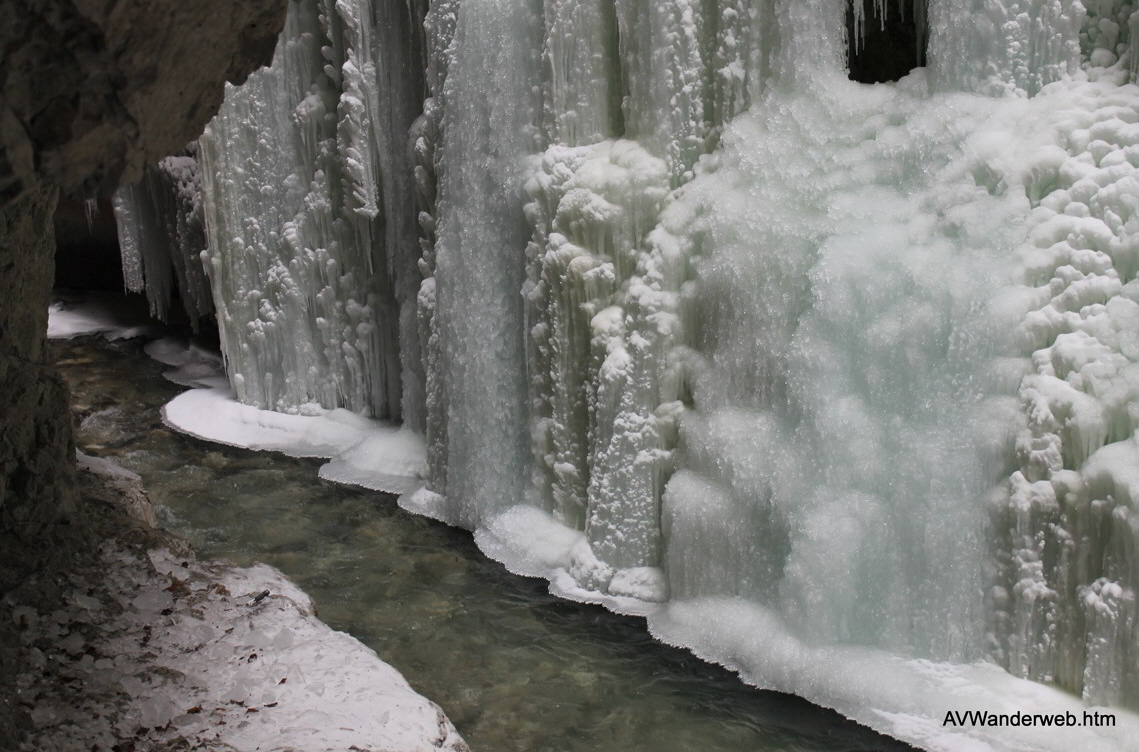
{"points": [[170, 651]]}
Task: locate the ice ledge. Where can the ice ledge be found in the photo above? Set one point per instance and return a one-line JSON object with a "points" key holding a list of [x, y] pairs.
{"points": [[361, 452]]}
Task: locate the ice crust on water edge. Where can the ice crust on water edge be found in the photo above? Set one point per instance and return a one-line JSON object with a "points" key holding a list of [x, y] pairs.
{"points": [[906, 698], [363, 452], [90, 313]]}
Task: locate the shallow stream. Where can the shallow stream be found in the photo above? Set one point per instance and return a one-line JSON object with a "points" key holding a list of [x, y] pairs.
{"points": [[515, 669]]}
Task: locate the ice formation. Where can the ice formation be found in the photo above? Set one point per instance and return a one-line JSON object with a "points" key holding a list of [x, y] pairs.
{"points": [[817, 375], [77, 315], [309, 216], [361, 451], [162, 235]]}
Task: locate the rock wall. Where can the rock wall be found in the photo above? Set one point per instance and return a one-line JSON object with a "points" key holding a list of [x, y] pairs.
{"points": [[36, 449], [91, 93], [95, 91]]}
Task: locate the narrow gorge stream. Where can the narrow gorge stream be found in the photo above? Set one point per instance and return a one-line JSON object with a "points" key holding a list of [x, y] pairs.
{"points": [[516, 669]]}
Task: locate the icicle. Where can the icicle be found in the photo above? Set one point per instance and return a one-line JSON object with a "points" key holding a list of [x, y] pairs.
{"points": [[1018, 45], [161, 237], [91, 211], [130, 241], [1133, 28], [583, 84]]}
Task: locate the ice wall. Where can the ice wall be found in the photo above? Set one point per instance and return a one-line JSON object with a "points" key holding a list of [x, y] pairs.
{"points": [[768, 322], [1064, 601], [627, 96], [998, 47], [810, 372], [313, 250]]}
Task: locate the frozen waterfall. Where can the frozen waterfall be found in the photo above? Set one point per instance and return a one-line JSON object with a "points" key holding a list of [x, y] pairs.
{"points": [[162, 236], [310, 217], [836, 383]]}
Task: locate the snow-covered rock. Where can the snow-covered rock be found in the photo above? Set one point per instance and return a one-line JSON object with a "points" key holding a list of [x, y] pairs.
{"points": [[151, 649]]}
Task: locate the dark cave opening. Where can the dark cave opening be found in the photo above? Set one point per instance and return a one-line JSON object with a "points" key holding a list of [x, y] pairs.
{"points": [[86, 245], [890, 43]]}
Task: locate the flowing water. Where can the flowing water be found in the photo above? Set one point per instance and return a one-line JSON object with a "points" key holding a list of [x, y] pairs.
{"points": [[516, 669]]}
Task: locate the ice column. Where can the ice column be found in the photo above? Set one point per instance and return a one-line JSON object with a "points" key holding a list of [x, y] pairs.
{"points": [[161, 237], [427, 135], [312, 240], [397, 87], [491, 116], [592, 209], [600, 295]]}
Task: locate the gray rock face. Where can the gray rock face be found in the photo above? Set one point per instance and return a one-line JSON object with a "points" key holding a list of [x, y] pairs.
{"points": [[94, 90], [36, 449], [37, 499]]}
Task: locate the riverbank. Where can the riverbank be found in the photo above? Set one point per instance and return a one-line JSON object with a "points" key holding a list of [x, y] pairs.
{"points": [[136, 645]]}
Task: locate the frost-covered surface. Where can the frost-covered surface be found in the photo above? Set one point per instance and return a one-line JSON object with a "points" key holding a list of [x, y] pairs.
{"points": [[135, 644], [161, 651]]}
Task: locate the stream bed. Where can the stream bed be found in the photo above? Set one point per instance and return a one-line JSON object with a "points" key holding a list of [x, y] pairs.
{"points": [[515, 669]]}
